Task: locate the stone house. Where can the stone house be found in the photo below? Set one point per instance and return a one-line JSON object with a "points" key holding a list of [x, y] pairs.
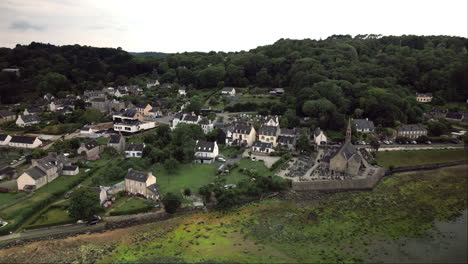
{"points": [[142, 183], [268, 134], [144, 109], [205, 152], [24, 142], [287, 142], [91, 150], [364, 125], [424, 97], [134, 150], [117, 142], [319, 137], [243, 135], [412, 131], [27, 120], [231, 91], [262, 147], [70, 170], [6, 116]]}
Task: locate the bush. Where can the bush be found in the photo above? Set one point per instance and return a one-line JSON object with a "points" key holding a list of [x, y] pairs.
{"points": [[132, 211], [171, 202]]}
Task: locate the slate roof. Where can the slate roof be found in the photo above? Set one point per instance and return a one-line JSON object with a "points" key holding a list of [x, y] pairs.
{"points": [[242, 129], [22, 139], [6, 113], [7, 171], [70, 167], [90, 145], [285, 140], [35, 172], [262, 145], [423, 94], [135, 175], [204, 146], [363, 124], [349, 151], [191, 118], [3, 137], [141, 105], [268, 130], [317, 131], [154, 188], [412, 127], [115, 139], [134, 147], [227, 89], [204, 121], [129, 112], [454, 115], [183, 88], [30, 118]]}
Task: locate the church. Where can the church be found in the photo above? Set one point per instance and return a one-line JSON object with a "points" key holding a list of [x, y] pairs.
{"points": [[347, 159]]}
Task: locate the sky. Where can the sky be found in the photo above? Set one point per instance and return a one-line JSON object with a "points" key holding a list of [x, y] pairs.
{"points": [[219, 25]]}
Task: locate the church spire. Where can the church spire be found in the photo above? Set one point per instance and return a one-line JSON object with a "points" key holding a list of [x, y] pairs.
{"points": [[348, 131]]}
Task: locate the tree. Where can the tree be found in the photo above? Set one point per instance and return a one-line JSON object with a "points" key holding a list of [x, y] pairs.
{"points": [[84, 204], [195, 105], [171, 202], [375, 144], [422, 139], [91, 115], [187, 192], [171, 165], [303, 143]]}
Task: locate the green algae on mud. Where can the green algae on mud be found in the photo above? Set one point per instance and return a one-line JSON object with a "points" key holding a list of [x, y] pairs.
{"points": [[339, 228]]}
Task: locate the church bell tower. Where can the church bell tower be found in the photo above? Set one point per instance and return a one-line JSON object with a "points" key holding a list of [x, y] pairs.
{"points": [[348, 131]]}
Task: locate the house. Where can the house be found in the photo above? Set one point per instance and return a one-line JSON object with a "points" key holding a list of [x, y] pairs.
{"points": [[134, 150], [262, 147], [290, 132], [206, 125], [32, 111], [411, 131], [243, 135], [364, 125], [6, 116], [129, 114], [424, 97], [271, 121], [4, 139], [142, 183], [287, 142], [231, 91], [90, 94], [152, 83], [277, 92], [182, 90], [48, 97], [85, 131], [319, 137], [347, 159], [155, 113], [117, 142], [70, 170], [205, 152], [27, 120], [133, 126], [7, 173], [144, 109], [100, 103], [268, 134], [225, 135], [455, 117], [90, 150], [205, 109], [42, 171], [12, 70], [24, 142]]}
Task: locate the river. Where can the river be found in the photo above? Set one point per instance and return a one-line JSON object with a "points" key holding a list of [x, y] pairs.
{"points": [[445, 243]]}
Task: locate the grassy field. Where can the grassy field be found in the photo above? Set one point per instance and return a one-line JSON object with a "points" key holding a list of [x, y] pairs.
{"points": [[193, 176], [131, 203], [230, 152], [52, 216], [60, 128], [8, 197], [405, 158], [257, 99]]}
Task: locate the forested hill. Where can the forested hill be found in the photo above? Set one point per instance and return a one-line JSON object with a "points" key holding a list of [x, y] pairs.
{"points": [[347, 68]]}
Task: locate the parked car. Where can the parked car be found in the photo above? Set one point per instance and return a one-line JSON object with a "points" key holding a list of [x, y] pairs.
{"points": [[221, 159], [428, 142], [414, 142]]}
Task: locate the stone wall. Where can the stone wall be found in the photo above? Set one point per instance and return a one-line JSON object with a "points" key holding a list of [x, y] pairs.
{"points": [[333, 185]]}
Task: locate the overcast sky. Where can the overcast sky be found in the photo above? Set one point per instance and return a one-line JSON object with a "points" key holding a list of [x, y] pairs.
{"points": [[220, 25]]}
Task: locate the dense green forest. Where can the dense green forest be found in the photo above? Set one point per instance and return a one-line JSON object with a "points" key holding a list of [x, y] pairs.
{"points": [[362, 76]]}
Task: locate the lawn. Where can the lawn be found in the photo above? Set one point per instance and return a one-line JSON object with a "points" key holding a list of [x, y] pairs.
{"points": [[60, 128], [405, 158], [8, 197], [52, 216], [258, 166], [257, 99], [230, 152], [132, 203]]}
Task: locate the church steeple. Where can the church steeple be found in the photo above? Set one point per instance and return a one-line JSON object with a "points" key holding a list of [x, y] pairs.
{"points": [[348, 131]]}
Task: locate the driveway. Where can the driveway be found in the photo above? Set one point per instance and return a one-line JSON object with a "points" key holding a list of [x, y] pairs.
{"points": [[268, 160]]}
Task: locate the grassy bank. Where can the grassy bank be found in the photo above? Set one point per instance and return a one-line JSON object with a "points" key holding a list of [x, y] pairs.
{"points": [[406, 158]]}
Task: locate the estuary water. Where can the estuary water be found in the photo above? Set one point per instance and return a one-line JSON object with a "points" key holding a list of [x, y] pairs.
{"points": [[445, 243]]}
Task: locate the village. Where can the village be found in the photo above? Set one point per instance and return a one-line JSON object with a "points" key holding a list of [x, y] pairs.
{"points": [[33, 160]]}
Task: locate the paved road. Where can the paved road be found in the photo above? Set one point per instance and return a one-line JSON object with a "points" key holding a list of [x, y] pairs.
{"points": [[52, 230]]}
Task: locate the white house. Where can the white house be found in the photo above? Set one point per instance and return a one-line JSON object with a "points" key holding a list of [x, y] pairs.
{"points": [[4, 139], [27, 120], [364, 125], [262, 147], [206, 125], [131, 127], [24, 142], [152, 83], [182, 90], [70, 170], [205, 152], [319, 137], [134, 150], [228, 91], [243, 135]]}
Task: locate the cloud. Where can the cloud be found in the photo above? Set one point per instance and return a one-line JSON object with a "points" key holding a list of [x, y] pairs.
{"points": [[22, 25]]}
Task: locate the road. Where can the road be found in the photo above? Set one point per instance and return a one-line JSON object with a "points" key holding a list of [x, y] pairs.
{"points": [[51, 231]]}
